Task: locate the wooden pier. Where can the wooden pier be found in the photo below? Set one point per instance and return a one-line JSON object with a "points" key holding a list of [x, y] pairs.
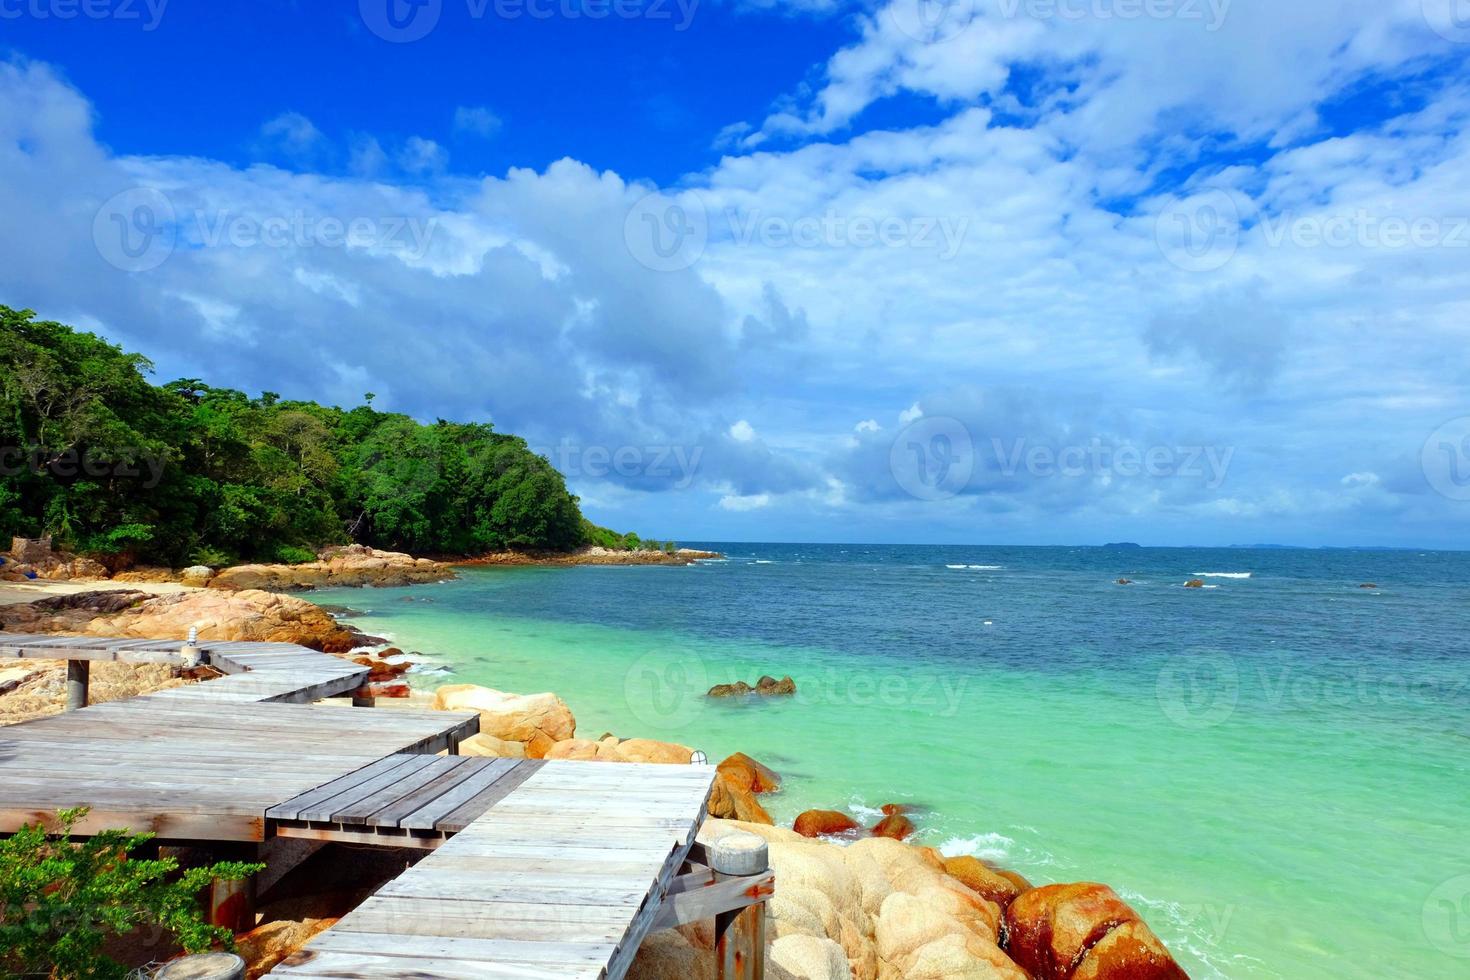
{"points": [[539, 869]]}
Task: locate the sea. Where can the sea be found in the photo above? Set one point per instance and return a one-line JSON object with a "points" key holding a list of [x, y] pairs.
{"points": [[1274, 769]]}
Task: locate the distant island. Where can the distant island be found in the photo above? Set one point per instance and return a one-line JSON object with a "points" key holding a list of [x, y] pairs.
{"points": [[1128, 545]]}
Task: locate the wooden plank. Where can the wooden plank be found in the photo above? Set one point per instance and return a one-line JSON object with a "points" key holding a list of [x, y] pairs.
{"points": [[292, 809], [406, 783], [428, 816], [476, 806]]}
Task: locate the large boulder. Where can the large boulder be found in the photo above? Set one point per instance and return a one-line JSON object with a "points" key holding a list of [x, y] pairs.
{"points": [[1084, 932], [265, 947], [745, 772], [808, 958], [538, 721], [196, 576], [822, 823], [218, 616], [489, 747]]}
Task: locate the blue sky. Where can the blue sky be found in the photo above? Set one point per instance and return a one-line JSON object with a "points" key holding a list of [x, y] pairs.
{"points": [[1012, 271]]}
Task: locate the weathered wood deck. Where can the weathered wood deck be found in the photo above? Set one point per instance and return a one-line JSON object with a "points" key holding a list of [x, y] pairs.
{"points": [[563, 878], [542, 869]]}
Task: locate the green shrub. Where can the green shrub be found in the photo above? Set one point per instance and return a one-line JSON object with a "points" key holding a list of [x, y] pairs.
{"points": [[61, 900], [290, 554], [213, 557]]}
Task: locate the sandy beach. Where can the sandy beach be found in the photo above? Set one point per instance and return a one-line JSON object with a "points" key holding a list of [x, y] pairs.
{"points": [[16, 592]]}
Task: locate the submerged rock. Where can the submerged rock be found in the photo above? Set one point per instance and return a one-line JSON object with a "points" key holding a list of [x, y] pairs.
{"points": [[765, 687], [895, 826], [1195, 583]]}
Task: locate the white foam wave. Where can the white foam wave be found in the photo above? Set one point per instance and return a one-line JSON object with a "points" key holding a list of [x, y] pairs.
{"points": [[977, 568], [987, 847], [1222, 574]]}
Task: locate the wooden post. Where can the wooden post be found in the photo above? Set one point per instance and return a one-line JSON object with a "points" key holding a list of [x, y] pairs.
{"points": [[231, 903], [78, 674], [741, 936], [209, 966]]}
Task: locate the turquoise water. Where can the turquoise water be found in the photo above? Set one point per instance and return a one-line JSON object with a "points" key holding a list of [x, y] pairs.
{"points": [[1273, 769]]}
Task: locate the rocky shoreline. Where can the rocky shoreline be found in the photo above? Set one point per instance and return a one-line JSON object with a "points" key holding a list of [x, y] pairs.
{"points": [[588, 556]]}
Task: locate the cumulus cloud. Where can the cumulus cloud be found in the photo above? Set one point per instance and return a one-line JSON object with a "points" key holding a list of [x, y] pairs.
{"points": [[476, 121]]}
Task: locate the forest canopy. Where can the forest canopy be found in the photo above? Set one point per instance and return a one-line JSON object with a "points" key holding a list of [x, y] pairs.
{"points": [[118, 468]]}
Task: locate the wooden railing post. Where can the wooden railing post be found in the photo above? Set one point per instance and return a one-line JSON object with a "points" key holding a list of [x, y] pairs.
{"points": [[78, 675], [741, 935]]}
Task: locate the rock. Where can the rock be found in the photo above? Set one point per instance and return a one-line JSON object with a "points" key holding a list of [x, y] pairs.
{"points": [[647, 750], [895, 826], [1195, 583], [1125, 581], [983, 880], [490, 747], [265, 947], [821, 823], [731, 800], [585, 750], [1084, 932], [770, 687], [354, 565], [807, 958], [750, 775], [765, 687], [14, 677], [380, 670], [237, 616], [538, 721], [197, 576], [1368, 585]]}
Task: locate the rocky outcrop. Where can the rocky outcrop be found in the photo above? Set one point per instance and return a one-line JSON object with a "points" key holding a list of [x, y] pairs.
{"points": [[823, 823], [613, 749], [350, 566], [894, 825], [888, 910], [1084, 932], [39, 690], [251, 616], [1195, 583], [1000, 887], [591, 556], [765, 687], [537, 721], [738, 781]]}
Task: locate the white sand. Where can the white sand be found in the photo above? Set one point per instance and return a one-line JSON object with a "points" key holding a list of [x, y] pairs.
{"points": [[14, 592]]}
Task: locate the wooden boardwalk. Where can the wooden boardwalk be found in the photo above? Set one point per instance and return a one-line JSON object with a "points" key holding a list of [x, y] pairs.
{"points": [[560, 880], [540, 869]]}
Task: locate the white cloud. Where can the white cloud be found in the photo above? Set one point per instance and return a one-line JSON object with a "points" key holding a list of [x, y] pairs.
{"points": [[742, 432], [477, 121], [743, 504], [293, 134], [422, 156], [868, 425]]}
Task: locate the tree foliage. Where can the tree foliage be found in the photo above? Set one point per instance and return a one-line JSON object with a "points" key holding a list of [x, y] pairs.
{"points": [[117, 467], [61, 900]]}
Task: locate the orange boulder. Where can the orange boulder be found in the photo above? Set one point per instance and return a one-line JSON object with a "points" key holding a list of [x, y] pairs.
{"points": [[895, 826], [1084, 932], [818, 823], [980, 878]]}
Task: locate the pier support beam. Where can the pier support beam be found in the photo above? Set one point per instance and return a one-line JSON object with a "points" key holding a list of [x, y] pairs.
{"points": [[78, 676], [741, 935]]}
